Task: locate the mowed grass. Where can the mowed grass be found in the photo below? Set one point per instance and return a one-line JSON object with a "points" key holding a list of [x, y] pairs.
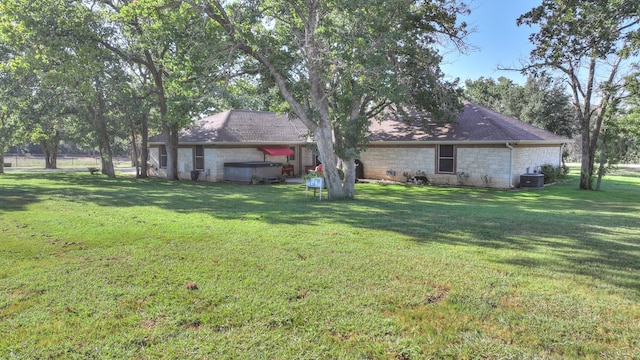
{"points": [[98, 268]]}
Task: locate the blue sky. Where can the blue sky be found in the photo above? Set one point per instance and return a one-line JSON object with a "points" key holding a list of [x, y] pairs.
{"points": [[497, 38]]}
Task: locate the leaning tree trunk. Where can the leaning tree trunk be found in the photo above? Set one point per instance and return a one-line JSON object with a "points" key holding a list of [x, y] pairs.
{"points": [[324, 140], [1, 159]]}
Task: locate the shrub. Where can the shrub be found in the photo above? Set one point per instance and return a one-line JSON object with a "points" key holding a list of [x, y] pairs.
{"points": [[552, 173], [486, 180], [463, 177]]}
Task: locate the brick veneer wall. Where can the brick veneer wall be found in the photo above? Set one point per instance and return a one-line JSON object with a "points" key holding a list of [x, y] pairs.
{"points": [[533, 157], [377, 160], [477, 161], [214, 159]]}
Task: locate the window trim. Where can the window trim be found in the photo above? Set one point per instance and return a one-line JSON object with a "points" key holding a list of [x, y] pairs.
{"points": [[197, 157], [439, 159], [162, 157]]}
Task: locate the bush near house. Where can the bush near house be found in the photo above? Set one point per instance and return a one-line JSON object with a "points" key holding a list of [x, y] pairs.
{"points": [[553, 173]]}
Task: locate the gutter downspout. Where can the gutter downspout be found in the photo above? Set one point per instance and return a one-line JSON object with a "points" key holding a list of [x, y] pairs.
{"points": [[510, 164]]}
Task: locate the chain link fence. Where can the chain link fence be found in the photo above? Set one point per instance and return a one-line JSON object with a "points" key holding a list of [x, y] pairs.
{"points": [[63, 162]]}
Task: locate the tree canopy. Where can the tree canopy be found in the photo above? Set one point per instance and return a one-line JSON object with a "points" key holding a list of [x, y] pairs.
{"points": [[592, 44], [541, 101], [338, 64]]}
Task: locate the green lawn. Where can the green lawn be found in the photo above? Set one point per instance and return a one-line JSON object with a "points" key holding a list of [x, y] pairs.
{"points": [[98, 268]]}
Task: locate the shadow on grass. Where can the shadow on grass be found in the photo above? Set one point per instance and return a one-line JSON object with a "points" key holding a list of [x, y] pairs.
{"points": [[558, 228]]}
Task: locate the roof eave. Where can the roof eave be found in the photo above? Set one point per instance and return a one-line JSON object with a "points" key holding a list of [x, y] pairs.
{"points": [[473, 142], [260, 143]]}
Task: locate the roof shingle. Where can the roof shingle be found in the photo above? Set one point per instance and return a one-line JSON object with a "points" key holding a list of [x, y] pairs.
{"points": [[242, 126], [474, 124]]}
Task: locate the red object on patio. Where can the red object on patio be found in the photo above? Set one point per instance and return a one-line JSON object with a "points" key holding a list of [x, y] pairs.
{"points": [[277, 151]]}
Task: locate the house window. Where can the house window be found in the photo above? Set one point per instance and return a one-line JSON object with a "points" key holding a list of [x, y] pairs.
{"points": [[198, 157], [163, 157], [292, 157], [446, 159]]}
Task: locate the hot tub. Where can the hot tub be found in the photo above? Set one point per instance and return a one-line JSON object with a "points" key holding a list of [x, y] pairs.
{"points": [[242, 171]]}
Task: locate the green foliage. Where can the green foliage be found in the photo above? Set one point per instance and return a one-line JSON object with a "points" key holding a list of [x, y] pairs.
{"points": [[541, 102], [487, 180], [463, 178], [338, 64], [553, 173], [101, 268], [592, 44]]}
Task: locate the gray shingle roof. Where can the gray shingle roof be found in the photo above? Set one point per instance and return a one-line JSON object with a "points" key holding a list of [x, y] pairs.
{"points": [[474, 124], [242, 126]]}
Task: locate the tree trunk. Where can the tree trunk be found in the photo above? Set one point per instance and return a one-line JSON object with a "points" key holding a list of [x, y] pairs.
{"points": [[3, 139], [586, 169], [106, 159], [51, 152], [144, 151], [134, 152], [171, 143], [100, 122], [603, 160], [324, 140], [106, 155], [349, 177]]}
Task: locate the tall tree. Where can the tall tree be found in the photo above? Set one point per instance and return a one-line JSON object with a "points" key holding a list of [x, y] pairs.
{"points": [[8, 96], [339, 63], [591, 43], [168, 40], [74, 76], [620, 139], [546, 104]]}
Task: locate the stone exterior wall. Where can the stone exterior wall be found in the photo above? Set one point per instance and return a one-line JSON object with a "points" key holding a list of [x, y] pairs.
{"points": [[378, 160], [485, 165], [223, 155], [532, 157], [215, 157]]}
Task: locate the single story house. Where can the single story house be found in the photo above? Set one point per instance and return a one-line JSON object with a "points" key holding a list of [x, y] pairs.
{"points": [[234, 137], [482, 148]]}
